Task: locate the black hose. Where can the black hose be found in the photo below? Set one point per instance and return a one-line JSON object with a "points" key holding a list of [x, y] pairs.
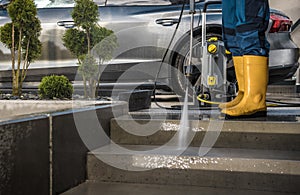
{"points": [[164, 57]]}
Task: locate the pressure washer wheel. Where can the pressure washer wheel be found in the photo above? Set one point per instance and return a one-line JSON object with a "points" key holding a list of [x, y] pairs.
{"points": [[181, 61]]}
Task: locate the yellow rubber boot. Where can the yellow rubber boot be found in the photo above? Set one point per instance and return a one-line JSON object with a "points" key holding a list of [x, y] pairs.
{"points": [[239, 72], [256, 81]]}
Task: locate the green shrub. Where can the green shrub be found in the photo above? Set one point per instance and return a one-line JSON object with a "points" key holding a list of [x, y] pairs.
{"points": [[55, 86]]}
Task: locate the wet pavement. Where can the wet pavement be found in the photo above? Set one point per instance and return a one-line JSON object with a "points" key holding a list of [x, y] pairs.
{"points": [[111, 188], [281, 107], [167, 106], [287, 109], [291, 114]]}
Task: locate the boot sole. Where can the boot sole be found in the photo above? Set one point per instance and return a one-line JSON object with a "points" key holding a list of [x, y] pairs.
{"points": [[250, 116]]}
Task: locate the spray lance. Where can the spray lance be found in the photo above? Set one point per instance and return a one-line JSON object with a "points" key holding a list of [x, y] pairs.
{"points": [[213, 52], [188, 70]]}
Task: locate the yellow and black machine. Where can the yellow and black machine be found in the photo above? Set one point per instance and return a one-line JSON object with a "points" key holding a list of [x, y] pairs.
{"points": [[213, 58]]}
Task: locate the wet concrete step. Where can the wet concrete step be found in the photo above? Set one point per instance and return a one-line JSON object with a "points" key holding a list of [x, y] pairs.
{"points": [[239, 169], [268, 135], [117, 188]]}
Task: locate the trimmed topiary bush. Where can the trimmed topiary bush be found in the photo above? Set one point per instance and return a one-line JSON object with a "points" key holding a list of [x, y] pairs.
{"points": [[55, 86]]}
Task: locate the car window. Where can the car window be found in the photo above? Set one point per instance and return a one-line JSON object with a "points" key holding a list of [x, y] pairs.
{"points": [[54, 3], [144, 2], [62, 3], [71, 3]]}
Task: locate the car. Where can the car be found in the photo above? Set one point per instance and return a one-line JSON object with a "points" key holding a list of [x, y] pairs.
{"points": [[145, 30]]}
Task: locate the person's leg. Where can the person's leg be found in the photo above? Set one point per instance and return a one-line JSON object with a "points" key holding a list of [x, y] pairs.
{"points": [[252, 22], [252, 16], [238, 63], [256, 80], [229, 20]]}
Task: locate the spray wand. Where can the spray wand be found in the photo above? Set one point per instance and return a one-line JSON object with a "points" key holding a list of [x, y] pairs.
{"points": [[188, 71]]}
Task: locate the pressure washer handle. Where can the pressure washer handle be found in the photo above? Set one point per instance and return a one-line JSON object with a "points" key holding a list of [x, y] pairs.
{"points": [[192, 6], [206, 4]]}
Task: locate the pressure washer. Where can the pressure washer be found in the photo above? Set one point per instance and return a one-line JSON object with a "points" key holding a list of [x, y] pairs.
{"points": [[212, 87], [213, 58]]}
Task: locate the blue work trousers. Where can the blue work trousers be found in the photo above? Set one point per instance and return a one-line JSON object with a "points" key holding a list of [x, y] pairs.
{"points": [[244, 25]]}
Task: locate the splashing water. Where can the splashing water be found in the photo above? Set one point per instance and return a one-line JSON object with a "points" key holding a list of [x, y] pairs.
{"points": [[184, 124]]}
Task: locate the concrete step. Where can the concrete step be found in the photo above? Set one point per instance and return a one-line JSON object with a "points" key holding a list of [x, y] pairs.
{"points": [[117, 188], [239, 169], [267, 135]]}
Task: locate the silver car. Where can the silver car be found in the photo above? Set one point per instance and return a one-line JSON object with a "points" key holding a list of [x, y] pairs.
{"points": [[145, 30]]}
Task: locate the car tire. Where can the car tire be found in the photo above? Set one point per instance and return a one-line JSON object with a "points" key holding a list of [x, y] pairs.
{"points": [[181, 58]]}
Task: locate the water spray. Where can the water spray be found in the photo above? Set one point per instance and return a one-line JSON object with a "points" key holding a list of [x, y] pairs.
{"points": [[184, 128]]}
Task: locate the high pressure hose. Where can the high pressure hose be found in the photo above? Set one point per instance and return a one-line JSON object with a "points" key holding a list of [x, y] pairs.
{"points": [[164, 57], [203, 98]]}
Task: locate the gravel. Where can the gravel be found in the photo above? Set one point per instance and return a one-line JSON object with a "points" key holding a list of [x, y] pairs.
{"points": [[32, 96]]}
